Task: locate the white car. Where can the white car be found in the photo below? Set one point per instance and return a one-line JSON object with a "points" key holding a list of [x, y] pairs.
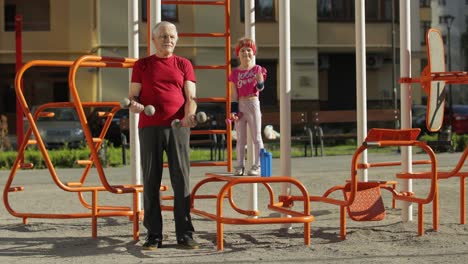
{"points": [[63, 129]]}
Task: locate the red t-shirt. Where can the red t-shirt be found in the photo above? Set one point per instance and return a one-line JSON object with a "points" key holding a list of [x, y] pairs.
{"points": [[162, 85]]}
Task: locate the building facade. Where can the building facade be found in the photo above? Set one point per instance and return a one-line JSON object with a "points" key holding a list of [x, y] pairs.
{"points": [[323, 67]]}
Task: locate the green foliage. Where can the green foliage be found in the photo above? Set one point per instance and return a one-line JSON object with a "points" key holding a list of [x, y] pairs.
{"points": [[428, 137], [7, 158], [114, 157], [460, 142]]}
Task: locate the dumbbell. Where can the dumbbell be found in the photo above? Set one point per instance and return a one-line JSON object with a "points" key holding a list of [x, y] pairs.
{"points": [[200, 117], [149, 109], [238, 115]]}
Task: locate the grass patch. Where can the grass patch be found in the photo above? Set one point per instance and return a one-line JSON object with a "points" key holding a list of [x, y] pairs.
{"points": [[115, 157]]}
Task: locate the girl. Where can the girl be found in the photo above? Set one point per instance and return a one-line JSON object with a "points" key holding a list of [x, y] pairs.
{"points": [[247, 80]]}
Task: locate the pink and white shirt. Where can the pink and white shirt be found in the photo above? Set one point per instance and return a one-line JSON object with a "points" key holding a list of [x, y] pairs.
{"points": [[246, 81]]}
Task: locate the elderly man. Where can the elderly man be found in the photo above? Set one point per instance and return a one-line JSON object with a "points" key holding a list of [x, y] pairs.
{"points": [[167, 82]]}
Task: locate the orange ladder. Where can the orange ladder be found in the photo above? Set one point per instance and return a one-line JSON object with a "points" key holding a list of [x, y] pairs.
{"points": [[226, 67], [226, 35]]}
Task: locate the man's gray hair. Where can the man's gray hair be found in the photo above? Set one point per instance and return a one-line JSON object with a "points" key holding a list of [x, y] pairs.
{"points": [[155, 31]]}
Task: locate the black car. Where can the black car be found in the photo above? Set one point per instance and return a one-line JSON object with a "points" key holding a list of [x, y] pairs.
{"points": [[117, 129], [418, 118]]}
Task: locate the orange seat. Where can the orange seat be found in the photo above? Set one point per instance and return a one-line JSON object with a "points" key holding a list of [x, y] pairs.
{"points": [[368, 204]]}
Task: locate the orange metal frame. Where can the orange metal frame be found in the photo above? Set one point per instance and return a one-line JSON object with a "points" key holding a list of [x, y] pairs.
{"points": [[388, 138], [454, 77], [456, 172], [80, 187], [94, 144], [226, 67], [225, 192]]}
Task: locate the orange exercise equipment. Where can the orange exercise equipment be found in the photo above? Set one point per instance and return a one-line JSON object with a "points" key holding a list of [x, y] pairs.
{"points": [[433, 80], [282, 206], [94, 144], [225, 134], [363, 201]]}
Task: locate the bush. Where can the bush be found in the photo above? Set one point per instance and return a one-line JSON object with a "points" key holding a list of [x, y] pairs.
{"points": [[63, 158], [460, 142]]}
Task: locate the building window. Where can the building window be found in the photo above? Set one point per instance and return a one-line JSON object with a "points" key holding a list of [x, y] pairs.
{"points": [[424, 3], [264, 10], [343, 10], [335, 9], [168, 12], [381, 10], [425, 26], [36, 14], [442, 2]]}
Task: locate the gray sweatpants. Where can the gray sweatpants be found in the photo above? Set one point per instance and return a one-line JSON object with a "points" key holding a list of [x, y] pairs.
{"points": [[154, 141]]}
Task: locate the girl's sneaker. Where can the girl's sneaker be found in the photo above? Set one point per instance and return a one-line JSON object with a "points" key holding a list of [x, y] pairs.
{"points": [[239, 171], [254, 171]]}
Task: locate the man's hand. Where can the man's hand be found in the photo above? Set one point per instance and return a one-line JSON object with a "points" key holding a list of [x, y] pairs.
{"points": [[136, 107], [189, 121]]}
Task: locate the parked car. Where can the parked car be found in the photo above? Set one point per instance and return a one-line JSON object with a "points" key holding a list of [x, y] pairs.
{"points": [[115, 131], [62, 129], [418, 118], [459, 118]]}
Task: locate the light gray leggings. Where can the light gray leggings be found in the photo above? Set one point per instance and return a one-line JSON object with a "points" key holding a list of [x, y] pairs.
{"points": [[252, 116]]}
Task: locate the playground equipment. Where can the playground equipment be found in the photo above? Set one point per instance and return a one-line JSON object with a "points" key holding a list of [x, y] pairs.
{"points": [[433, 80], [283, 205], [363, 200], [81, 186], [225, 66]]}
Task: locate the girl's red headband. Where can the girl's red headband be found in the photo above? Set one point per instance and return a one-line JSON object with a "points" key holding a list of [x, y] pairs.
{"points": [[249, 44]]}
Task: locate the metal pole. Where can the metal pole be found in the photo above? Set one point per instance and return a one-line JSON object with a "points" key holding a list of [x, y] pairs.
{"points": [[19, 64], [133, 52], [394, 93], [405, 100], [450, 86], [361, 85], [153, 17], [285, 94], [446, 133], [249, 24]]}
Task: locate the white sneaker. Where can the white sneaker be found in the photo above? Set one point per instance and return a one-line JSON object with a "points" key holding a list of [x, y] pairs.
{"points": [[239, 171], [254, 171]]}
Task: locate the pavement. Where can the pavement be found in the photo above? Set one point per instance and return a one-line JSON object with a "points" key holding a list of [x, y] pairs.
{"points": [[59, 240]]}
